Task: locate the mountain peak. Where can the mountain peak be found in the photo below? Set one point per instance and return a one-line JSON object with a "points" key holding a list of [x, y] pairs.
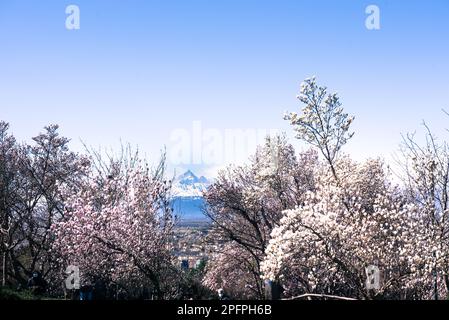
{"points": [[189, 185], [189, 173], [188, 177]]}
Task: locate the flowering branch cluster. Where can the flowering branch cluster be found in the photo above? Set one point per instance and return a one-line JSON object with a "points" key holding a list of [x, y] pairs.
{"points": [[119, 227]]}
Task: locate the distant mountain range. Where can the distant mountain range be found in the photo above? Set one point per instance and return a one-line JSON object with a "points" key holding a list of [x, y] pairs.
{"points": [[189, 185], [187, 192]]}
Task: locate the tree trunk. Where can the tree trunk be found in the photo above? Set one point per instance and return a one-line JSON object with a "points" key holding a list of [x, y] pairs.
{"points": [[4, 269]]}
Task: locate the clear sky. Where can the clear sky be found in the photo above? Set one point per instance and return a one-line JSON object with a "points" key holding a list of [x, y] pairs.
{"points": [[142, 70]]}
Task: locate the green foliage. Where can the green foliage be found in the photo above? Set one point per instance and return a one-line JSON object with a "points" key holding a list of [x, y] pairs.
{"points": [[9, 294]]}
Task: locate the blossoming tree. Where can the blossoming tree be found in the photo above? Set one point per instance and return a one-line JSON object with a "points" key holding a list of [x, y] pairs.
{"points": [[33, 176], [118, 228], [426, 175], [245, 203], [355, 218]]}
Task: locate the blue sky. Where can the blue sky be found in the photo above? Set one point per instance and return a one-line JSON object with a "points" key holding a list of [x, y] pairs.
{"points": [[139, 70]]}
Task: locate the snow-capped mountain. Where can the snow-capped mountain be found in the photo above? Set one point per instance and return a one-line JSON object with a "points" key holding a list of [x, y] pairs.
{"points": [[187, 201], [189, 185]]}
